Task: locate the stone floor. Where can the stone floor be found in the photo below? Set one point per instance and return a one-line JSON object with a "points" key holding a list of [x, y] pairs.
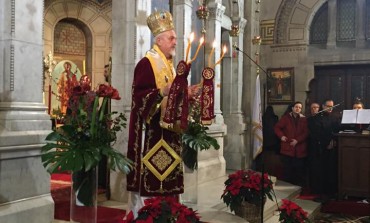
{"points": [[212, 209]]}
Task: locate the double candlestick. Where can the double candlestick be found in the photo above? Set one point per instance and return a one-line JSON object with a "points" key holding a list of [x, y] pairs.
{"points": [[201, 41]]}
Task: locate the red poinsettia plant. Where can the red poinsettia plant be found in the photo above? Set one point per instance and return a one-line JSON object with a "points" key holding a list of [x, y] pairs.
{"points": [[290, 212], [164, 210], [246, 186]]}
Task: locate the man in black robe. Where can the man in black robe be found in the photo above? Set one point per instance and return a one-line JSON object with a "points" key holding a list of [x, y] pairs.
{"points": [[323, 152]]}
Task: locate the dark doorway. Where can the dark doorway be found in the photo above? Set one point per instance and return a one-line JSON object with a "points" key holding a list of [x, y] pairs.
{"points": [[344, 84]]}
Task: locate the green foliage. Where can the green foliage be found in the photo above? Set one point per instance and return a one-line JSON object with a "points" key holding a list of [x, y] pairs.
{"points": [[196, 139], [87, 135]]}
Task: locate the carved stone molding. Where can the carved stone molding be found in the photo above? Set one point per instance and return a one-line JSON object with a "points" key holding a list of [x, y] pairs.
{"points": [[216, 11], [11, 80], [12, 23], [282, 20], [107, 4], [289, 48], [267, 31]]}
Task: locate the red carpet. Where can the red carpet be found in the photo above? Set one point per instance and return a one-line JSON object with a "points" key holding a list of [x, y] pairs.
{"points": [[61, 193], [352, 208]]}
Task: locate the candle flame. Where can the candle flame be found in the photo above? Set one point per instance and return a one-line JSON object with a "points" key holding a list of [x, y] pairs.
{"points": [[214, 44], [191, 37], [224, 50], [201, 41]]}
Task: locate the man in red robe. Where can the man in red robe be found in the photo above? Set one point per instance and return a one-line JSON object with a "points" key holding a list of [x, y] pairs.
{"points": [[155, 151]]}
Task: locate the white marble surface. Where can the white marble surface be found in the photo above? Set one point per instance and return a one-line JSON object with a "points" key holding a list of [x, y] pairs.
{"points": [[212, 209]]}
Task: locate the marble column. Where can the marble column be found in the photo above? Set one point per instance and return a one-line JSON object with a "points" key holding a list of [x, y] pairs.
{"points": [[211, 163], [182, 10], [24, 123], [232, 101], [214, 34], [130, 41]]}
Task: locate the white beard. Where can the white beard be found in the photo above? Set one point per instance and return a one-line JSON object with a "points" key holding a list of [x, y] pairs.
{"points": [[173, 53]]}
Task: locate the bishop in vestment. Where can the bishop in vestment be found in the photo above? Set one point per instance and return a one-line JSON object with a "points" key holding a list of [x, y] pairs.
{"points": [[156, 153]]}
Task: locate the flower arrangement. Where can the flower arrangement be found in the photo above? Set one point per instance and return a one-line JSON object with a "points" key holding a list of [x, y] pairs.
{"points": [[164, 210], [88, 133], [290, 212], [245, 185]]}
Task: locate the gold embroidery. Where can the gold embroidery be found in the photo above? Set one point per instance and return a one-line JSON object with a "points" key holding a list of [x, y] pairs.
{"points": [[161, 160], [162, 68], [148, 186], [162, 144]]}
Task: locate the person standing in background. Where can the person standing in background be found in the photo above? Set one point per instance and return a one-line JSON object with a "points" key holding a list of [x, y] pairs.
{"points": [[292, 131], [314, 108], [323, 152], [271, 143], [358, 105], [314, 129]]}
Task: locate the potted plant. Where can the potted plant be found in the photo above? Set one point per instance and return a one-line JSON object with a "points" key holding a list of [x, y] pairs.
{"points": [[164, 210], [87, 135], [195, 137], [290, 212], [244, 193]]}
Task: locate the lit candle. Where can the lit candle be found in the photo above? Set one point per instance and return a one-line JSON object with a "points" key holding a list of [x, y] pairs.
{"points": [[190, 39], [224, 50], [201, 41], [210, 55]]}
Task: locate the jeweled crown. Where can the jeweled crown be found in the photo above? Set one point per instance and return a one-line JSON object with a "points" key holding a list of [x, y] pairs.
{"points": [[160, 21]]}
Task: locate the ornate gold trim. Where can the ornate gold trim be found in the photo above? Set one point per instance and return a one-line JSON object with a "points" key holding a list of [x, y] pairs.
{"points": [[149, 155]]}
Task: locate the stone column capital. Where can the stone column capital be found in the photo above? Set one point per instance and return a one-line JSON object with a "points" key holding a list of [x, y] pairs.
{"points": [[216, 11]]}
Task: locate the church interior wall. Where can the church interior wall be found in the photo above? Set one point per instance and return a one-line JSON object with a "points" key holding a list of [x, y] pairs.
{"points": [[287, 44], [97, 19]]}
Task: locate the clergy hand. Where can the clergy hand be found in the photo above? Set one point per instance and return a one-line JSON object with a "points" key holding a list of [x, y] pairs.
{"points": [[284, 138]]}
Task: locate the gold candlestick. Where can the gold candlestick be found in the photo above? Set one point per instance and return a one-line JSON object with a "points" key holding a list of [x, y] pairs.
{"points": [[83, 67], [190, 39], [201, 41], [210, 55], [224, 50]]}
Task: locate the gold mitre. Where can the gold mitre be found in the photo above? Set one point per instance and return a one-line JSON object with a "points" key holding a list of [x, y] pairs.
{"points": [[159, 22]]}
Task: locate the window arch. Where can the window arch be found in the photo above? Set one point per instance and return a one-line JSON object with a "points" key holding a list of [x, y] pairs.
{"points": [[346, 20], [319, 27], [351, 24]]}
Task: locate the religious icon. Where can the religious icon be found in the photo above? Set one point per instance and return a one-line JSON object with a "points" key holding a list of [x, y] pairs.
{"points": [[65, 76], [280, 84]]}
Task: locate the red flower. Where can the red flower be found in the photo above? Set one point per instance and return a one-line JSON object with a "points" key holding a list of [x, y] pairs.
{"points": [[291, 212], [108, 91], [165, 208], [245, 185]]}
